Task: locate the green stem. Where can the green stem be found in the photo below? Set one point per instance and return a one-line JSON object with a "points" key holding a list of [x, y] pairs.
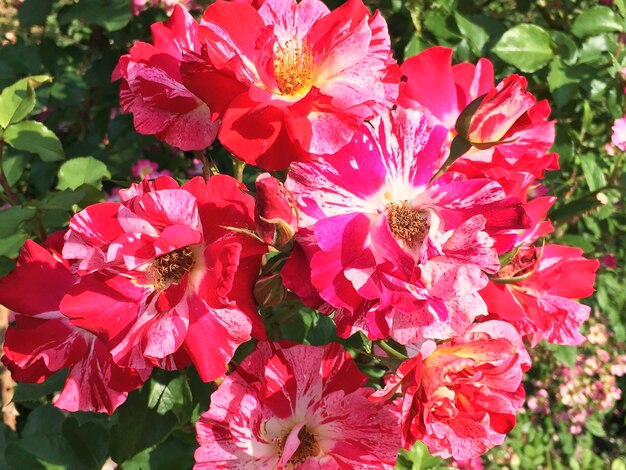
{"points": [[238, 166], [10, 195], [390, 350]]}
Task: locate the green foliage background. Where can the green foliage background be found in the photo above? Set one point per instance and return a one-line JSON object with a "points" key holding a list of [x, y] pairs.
{"points": [[63, 142]]}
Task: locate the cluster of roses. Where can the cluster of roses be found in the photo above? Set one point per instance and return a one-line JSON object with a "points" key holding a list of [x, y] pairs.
{"points": [[413, 207]]}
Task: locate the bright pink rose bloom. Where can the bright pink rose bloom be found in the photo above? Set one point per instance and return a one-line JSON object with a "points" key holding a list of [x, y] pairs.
{"points": [[535, 293], [293, 406], [43, 341], [152, 87], [163, 280], [510, 129], [619, 134], [435, 86], [397, 251], [460, 397], [291, 79]]}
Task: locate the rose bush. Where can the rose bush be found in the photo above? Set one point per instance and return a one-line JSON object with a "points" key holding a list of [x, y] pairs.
{"points": [[446, 187]]}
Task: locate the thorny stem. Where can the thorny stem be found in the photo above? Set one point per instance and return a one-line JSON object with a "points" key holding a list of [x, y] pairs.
{"points": [[390, 350], [10, 195]]}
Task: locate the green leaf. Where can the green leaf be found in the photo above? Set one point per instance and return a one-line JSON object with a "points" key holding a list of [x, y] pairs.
{"points": [[566, 48], [112, 15], [82, 170], [10, 246], [90, 442], [12, 218], [418, 458], [138, 427], [18, 100], [171, 394], [34, 137], [13, 167], [563, 83], [525, 46], [33, 392], [596, 20], [564, 354], [594, 426], [475, 33], [62, 199], [593, 173]]}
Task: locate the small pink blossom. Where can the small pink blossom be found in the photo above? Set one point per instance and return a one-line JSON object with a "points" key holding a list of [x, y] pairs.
{"points": [[619, 133], [147, 169]]}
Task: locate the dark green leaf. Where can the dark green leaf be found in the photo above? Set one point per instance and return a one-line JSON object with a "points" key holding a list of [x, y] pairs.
{"points": [[11, 219], [593, 173], [112, 15], [138, 427], [62, 199], [10, 246], [173, 394], [475, 33], [32, 392], [89, 441], [33, 12]]}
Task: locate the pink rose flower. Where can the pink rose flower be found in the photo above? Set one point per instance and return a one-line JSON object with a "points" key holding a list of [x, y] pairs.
{"points": [[152, 88], [394, 249], [291, 79], [538, 296], [509, 129], [293, 406], [162, 281], [460, 398], [44, 341]]}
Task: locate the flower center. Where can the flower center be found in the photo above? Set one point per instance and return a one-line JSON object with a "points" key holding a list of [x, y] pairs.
{"points": [[408, 224], [293, 67], [308, 447], [171, 267]]}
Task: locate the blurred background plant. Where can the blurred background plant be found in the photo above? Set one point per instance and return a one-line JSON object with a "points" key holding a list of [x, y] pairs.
{"points": [[64, 145]]}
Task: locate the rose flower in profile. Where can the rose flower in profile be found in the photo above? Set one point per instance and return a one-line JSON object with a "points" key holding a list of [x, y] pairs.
{"points": [[291, 79], [152, 90], [461, 396], [290, 406]]}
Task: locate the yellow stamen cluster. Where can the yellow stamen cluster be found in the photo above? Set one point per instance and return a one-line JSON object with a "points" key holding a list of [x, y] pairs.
{"points": [[308, 447], [171, 267], [407, 224], [293, 67]]}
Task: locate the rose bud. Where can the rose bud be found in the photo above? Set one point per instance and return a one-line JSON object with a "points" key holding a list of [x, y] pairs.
{"points": [[275, 213]]}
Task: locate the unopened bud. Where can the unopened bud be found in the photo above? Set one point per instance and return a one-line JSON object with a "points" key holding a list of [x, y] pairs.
{"points": [[275, 212], [269, 290]]}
